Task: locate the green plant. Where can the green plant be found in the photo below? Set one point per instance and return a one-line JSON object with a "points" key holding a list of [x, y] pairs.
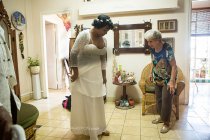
{"points": [[33, 62]]}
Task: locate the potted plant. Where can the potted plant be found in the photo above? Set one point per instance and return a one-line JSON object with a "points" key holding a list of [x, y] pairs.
{"points": [[33, 65]]}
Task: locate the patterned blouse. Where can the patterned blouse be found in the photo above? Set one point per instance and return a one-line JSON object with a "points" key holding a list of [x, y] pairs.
{"points": [[161, 64]]}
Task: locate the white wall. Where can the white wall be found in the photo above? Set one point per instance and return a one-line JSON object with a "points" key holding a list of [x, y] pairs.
{"points": [[33, 12], [131, 62]]}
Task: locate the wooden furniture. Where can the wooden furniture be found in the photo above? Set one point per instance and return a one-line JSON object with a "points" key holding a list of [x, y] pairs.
{"points": [[10, 37], [124, 97], [71, 43], [148, 90]]}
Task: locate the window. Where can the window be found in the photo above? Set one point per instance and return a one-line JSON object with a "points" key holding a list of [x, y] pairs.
{"points": [[200, 44], [200, 24], [200, 57]]}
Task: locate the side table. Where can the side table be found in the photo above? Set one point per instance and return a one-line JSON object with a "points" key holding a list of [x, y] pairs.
{"points": [[124, 102]]}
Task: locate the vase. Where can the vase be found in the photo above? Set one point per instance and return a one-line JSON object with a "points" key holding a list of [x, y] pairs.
{"points": [[35, 69]]}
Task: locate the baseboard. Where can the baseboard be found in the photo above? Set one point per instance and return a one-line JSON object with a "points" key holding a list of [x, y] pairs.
{"points": [[26, 97], [110, 99], [29, 96]]}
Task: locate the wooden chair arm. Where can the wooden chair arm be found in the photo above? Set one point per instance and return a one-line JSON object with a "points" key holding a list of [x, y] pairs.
{"points": [[142, 85]]}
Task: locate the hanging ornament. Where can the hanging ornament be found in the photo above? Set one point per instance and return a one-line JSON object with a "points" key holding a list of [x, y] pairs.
{"points": [[21, 44], [65, 17]]}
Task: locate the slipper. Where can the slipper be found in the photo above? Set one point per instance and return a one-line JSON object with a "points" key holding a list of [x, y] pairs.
{"points": [[105, 133], [156, 121], [164, 129]]}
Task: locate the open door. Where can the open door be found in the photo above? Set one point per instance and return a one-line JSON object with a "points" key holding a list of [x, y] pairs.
{"points": [[51, 55]]}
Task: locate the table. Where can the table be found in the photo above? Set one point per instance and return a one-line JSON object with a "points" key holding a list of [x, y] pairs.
{"points": [[124, 102]]}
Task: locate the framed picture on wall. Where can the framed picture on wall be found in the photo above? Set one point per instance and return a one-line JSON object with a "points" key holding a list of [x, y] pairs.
{"points": [[166, 26], [171, 41]]}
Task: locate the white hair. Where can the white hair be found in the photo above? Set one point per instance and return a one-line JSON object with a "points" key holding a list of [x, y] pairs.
{"points": [[153, 34]]}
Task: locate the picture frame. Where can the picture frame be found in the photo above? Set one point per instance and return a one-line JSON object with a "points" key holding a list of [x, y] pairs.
{"points": [[170, 41], [166, 26], [129, 38]]}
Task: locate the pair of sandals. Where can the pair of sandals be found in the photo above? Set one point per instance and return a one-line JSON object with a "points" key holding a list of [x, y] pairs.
{"points": [[165, 127]]}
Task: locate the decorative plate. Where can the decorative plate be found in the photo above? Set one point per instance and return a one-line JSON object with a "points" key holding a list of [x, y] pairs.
{"points": [[18, 20]]}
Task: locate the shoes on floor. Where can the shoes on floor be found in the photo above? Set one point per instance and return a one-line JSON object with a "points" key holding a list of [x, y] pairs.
{"points": [[164, 129], [156, 121], [105, 133]]}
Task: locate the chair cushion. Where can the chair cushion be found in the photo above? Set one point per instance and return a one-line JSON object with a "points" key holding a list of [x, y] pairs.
{"points": [[149, 88], [27, 115]]}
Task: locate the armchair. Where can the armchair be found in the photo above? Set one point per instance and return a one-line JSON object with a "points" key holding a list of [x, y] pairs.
{"points": [[148, 90], [27, 117]]}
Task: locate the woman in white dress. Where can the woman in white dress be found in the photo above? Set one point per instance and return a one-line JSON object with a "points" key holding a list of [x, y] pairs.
{"points": [[88, 65]]}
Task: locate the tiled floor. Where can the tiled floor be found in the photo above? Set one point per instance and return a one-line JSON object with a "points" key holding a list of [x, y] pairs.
{"points": [[194, 123]]}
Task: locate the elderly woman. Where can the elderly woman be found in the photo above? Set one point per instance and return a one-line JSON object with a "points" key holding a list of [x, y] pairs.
{"points": [[88, 65], [163, 73]]}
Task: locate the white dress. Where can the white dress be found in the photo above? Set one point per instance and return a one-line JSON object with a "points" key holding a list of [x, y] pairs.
{"points": [[87, 112]]}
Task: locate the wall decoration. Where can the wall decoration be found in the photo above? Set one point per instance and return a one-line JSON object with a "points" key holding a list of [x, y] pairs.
{"points": [[78, 28], [130, 38], [171, 41], [18, 20], [21, 46], [166, 26], [65, 17]]}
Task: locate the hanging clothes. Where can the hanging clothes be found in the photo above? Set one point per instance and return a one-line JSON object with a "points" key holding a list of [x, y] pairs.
{"points": [[7, 75]]}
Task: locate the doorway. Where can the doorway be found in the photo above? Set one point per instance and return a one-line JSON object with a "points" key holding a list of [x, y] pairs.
{"points": [[55, 50], [51, 55], [200, 46], [200, 52]]}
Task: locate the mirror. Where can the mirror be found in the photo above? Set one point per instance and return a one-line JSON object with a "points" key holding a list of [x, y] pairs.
{"points": [[130, 38]]}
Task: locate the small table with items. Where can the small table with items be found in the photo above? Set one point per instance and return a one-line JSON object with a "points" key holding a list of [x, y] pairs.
{"points": [[124, 102]]}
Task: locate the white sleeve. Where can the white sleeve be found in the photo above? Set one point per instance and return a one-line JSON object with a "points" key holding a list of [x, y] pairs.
{"points": [[80, 41], [104, 58]]}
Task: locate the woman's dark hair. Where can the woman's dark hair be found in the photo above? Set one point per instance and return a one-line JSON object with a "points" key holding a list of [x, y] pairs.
{"points": [[102, 21]]}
